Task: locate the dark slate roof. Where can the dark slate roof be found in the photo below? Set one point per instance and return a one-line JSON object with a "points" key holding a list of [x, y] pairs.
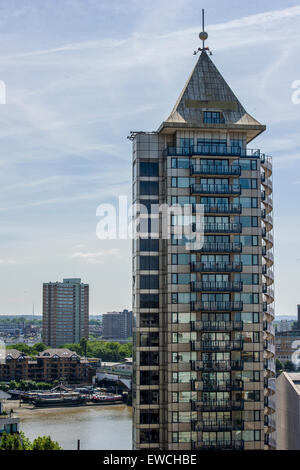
{"points": [[206, 89]]}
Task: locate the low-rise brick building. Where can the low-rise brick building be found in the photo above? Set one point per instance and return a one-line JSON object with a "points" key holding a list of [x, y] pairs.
{"points": [[47, 366]]}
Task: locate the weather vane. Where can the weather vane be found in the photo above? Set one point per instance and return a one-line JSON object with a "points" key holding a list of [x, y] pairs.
{"points": [[203, 36]]}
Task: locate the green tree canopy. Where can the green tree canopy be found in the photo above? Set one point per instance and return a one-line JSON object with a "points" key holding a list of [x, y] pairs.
{"points": [[21, 442]]}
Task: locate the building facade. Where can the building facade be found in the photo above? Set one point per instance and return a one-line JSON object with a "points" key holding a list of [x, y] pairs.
{"points": [[47, 366], [203, 337], [117, 325], [288, 347], [65, 312], [288, 411]]}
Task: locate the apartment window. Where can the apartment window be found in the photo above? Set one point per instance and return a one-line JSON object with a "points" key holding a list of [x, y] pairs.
{"points": [[249, 202], [148, 206], [148, 169], [181, 259], [183, 338], [183, 298], [183, 317], [248, 183], [248, 164], [181, 182], [149, 282], [180, 163], [212, 117], [149, 244], [149, 188], [183, 278], [247, 240], [186, 143], [248, 260], [149, 300], [248, 279], [149, 263]]}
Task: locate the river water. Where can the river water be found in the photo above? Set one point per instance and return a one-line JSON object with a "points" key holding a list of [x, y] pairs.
{"points": [[97, 427]]}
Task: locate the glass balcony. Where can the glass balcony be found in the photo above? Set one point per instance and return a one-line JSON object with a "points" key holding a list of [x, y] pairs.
{"points": [[220, 366], [222, 248], [217, 345], [217, 286], [218, 267], [216, 306], [269, 328], [220, 445], [269, 364], [220, 170], [220, 208], [232, 189], [270, 347], [217, 326], [219, 425], [217, 228], [212, 149], [219, 405]]}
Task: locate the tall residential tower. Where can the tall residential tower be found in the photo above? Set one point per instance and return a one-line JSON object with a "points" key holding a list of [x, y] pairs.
{"points": [[65, 312], [203, 337]]}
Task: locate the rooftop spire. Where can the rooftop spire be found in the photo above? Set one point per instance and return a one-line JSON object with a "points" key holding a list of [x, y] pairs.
{"points": [[203, 36]]}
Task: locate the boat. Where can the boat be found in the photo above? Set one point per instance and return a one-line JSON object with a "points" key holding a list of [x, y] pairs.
{"points": [[59, 399], [105, 398]]}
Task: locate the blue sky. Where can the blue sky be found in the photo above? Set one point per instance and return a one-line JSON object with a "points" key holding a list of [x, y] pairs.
{"points": [[80, 74]]}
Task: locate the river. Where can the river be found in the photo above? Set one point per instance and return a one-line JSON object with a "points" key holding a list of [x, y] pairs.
{"points": [[97, 427]]}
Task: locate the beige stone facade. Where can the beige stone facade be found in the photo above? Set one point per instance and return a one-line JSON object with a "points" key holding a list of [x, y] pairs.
{"points": [[203, 340]]}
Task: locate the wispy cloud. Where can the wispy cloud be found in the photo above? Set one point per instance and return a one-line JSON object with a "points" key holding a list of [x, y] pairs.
{"points": [[95, 258]]}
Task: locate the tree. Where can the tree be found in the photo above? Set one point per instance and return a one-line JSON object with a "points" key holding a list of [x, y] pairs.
{"points": [[45, 443], [279, 365], [19, 441], [289, 366], [14, 442], [83, 345]]}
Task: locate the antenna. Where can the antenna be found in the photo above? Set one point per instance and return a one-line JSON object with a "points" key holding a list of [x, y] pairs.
{"points": [[203, 36]]}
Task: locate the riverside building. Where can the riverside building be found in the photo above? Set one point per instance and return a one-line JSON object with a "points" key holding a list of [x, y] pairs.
{"points": [[203, 337]]}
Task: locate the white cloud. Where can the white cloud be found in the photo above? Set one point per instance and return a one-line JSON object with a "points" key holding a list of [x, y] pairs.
{"points": [[95, 258], [7, 262]]}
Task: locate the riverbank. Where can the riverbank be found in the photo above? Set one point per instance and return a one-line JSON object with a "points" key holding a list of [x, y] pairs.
{"points": [[27, 409], [97, 427]]}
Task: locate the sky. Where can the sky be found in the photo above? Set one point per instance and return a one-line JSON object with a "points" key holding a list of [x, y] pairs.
{"points": [[79, 76]]}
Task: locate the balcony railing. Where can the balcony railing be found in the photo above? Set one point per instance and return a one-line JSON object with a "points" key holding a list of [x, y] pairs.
{"points": [[217, 326], [218, 345], [216, 306], [230, 170], [219, 386], [269, 328], [217, 286], [217, 228], [220, 366], [220, 208], [269, 364], [233, 189], [219, 405], [222, 248], [220, 445], [211, 149], [219, 267], [269, 346], [219, 425]]}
